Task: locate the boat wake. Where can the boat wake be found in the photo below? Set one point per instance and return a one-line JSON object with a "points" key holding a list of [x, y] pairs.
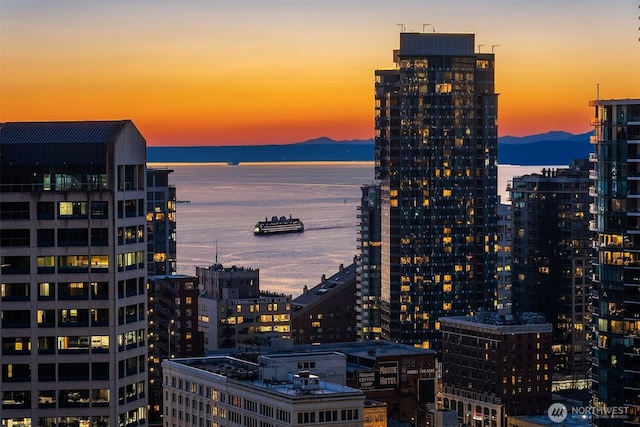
{"points": [[329, 227]]}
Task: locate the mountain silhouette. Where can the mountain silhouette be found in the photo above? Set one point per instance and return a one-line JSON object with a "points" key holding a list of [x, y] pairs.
{"points": [[551, 148]]}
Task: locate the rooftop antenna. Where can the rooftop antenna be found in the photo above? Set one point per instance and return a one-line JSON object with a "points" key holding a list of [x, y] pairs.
{"points": [[401, 27], [426, 25], [479, 46], [493, 46], [216, 251], [597, 91]]}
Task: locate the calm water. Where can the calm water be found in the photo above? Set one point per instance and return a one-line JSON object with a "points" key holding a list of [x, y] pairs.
{"points": [[227, 201]]}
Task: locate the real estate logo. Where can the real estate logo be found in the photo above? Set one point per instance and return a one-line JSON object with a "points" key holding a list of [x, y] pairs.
{"points": [[557, 412]]}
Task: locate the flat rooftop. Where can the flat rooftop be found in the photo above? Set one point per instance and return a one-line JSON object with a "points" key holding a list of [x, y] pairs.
{"points": [[232, 369], [500, 324]]}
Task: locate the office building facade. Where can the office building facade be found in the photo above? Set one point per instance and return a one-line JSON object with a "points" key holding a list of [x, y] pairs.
{"points": [[232, 392], [551, 271], [436, 158], [616, 263], [74, 300]]}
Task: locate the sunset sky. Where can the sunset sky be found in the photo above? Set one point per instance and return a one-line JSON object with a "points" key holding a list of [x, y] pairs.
{"points": [[281, 71]]}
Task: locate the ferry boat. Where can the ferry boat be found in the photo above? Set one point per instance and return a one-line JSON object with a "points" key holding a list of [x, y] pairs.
{"points": [[279, 225]]}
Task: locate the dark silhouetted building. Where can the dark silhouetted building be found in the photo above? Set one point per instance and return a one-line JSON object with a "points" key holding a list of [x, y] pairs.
{"points": [[436, 146], [368, 323], [551, 271], [616, 265], [326, 312], [173, 329], [161, 223]]}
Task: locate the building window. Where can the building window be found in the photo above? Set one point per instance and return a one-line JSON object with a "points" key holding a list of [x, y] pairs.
{"points": [[100, 210], [72, 209]]}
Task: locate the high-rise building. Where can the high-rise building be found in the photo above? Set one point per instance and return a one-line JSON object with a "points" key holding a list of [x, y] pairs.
{"points": [[616, 263], [551, 271], [368, 266], [436, 149], [73, 276], [161, 223]]}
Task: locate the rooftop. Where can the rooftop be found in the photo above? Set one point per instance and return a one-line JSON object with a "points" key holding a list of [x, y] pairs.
{"points": [[344, 276], [73, 143], [501, 323], [232, 369], [572, 420]]}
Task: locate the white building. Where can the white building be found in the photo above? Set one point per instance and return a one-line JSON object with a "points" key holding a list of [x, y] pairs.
{"points": [[225, 391], [73, 294]]}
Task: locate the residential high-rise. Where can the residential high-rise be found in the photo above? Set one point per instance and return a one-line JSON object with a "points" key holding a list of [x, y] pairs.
{"points": [[436, 149], [161, 223], [551, 271], [73, 293], [616, 263], [368, 266]]}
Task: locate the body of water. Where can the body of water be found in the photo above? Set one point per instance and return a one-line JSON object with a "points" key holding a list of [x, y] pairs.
{"points": [[226, 201]]}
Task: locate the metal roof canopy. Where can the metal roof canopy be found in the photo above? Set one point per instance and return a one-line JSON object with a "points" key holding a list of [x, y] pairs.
{"points": [[50, 144]]}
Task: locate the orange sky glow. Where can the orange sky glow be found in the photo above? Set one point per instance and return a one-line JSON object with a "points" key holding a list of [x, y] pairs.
{"points": [[282, 71]]}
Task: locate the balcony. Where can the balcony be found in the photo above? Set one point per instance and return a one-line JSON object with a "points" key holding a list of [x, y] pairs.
{"points": [[593, 192], [593, 157]]}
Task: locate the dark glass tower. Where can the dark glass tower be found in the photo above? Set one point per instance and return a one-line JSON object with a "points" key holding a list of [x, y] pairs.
{"points": [[551, 262], [616, 264], [436, 159], [368, 265], [161, 223]]}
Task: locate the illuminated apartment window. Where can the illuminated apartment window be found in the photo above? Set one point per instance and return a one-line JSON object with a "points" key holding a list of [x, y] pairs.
{"points": [[443, 87], [72, 209]]}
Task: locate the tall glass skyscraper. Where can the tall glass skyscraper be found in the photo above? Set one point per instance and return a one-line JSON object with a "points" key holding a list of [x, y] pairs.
{"points": [[616, 265], [436, 159], [551, 269]]}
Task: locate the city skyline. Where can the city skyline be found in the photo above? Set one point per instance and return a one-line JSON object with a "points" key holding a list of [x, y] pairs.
{"points": [[271, 72]]}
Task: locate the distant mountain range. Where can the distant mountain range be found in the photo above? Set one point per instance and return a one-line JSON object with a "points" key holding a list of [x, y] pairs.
{"points": [[552, 148]]}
